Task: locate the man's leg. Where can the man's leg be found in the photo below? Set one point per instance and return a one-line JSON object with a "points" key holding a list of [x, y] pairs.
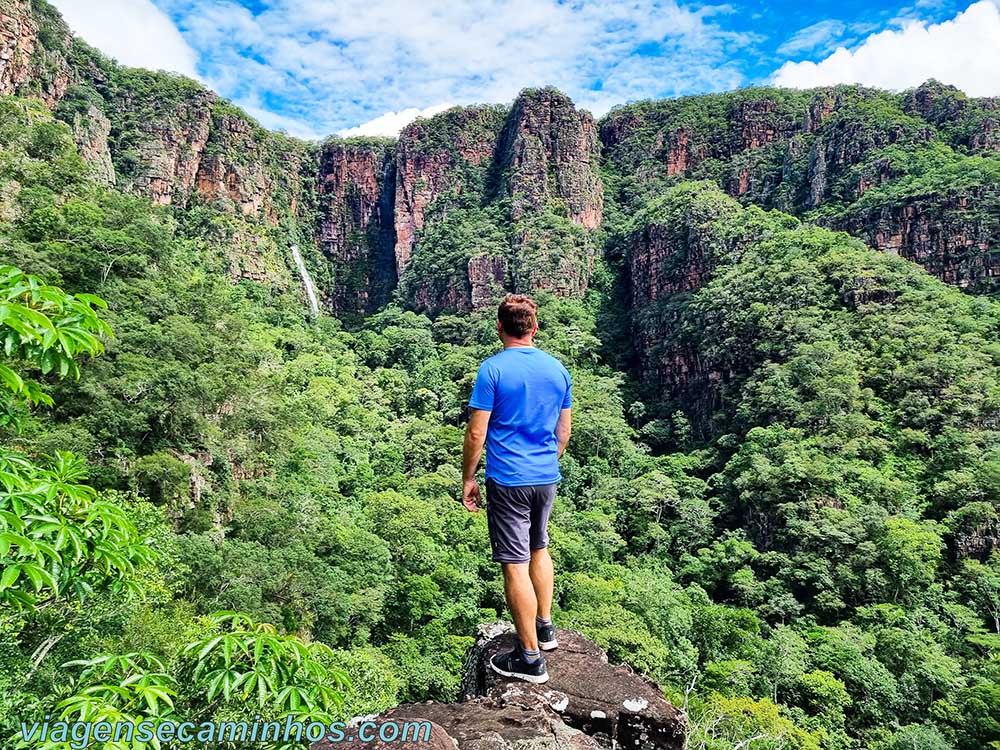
{"points": [[519, 588], [508, 512], [540, 571]]}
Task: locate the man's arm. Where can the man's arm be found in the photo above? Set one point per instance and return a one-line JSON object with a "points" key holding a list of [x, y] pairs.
{"points": [[563, 429], [475, 437]]}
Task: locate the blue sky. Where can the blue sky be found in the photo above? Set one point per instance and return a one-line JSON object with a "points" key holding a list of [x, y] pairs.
{"points": [[315, 67]]}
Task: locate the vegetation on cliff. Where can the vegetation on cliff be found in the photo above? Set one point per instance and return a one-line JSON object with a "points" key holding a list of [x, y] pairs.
{"points": [[781, 496], [816, 566]]}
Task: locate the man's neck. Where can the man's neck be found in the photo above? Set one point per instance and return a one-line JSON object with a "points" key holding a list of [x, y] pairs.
{"points": [[517, 343]]}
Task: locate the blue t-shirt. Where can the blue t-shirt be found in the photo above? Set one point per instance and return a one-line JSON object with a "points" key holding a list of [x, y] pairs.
{"points": [[525, 389]]}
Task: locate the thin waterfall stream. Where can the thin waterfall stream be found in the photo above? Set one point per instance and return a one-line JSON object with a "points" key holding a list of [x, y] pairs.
{"points": [[307, 281]]}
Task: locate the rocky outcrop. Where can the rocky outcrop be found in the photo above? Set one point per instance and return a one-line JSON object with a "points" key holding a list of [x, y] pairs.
{"points": [[246, 169], [168, 155], [610, 703], [18, 37], [91, 129], [949, 235], [674, 137], [810, 139], [818, 112], [825, 150], [681, 153], [27, 66], [936, 102], [760, 122], [231, 169], [542, 156], [587, 704], [968, 122], [986, 135], [849, 140], [487, 274], [437, 160], [354, 189], [550, 152]]}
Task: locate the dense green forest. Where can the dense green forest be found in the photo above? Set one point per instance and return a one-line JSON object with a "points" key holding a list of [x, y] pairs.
{"points": [[214, 504]]}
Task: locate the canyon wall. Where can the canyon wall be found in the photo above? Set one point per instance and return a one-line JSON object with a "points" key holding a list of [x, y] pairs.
{"points": [[818, 154], [481, 199], [355, 188]]}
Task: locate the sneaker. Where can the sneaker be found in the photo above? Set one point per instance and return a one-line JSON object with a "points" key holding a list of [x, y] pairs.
{"points": [[511, 664], [546, 637]]}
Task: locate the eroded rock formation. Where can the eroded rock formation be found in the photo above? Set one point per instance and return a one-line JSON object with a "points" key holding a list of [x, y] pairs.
{"points": [[169, 155], [587, 704], [550, 151], [27, 66], [247, 169], [952, 236], [91, 129], [355, 185], [803, 151], [437, 160]]}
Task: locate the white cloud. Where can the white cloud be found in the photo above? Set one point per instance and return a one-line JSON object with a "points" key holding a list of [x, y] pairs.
{"points": [[274, 121], [134, 32], [964, 51], [391, 123], [337, 64], [817, 35]]}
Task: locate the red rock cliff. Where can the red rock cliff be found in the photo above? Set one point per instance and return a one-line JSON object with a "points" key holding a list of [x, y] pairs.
{"points": [[437, 159], [550, 152], [27, 67], [354, 186]]}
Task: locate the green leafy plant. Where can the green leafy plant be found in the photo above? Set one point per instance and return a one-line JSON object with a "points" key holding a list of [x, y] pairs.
{"points": [[46, 329], [250, 661], [58, 537]]}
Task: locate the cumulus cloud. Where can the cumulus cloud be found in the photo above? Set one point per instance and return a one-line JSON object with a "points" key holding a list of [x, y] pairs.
{"points": [[336, 65], [134, 32], [963, 51], [391, 123]]}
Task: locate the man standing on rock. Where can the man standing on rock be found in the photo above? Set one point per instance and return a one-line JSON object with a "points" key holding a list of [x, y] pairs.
{"points": [[520, 408]]}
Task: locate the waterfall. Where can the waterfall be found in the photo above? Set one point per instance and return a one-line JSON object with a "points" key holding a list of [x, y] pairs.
{"points": [[307, 281]]}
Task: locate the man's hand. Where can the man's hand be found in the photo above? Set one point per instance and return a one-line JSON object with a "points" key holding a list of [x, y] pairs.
{"points": [[475, 436], [471, 498]]}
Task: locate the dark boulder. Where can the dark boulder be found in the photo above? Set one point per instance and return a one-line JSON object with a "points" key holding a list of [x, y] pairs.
{"points": [[587, 704]]}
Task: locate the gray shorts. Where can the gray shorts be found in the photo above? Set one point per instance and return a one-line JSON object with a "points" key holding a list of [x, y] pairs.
{"points": [[518, 518]]}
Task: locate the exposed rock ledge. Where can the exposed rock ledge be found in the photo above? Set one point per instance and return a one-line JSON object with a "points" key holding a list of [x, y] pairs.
{"points": [[587, 704]]}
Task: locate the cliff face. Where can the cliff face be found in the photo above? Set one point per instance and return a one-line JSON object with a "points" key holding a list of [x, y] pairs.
{"points": [[248, 170], [672, 138], [520, 186], [167, 156], [952, 236], [526, 179], [587, 704], [437, 160], [91, 130], [354, 186], [817, 153], [158, 135], [27, 66], [550, 151]]}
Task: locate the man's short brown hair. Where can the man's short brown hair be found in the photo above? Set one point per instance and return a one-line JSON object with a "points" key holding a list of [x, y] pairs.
{"points": [[517, 315]]}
